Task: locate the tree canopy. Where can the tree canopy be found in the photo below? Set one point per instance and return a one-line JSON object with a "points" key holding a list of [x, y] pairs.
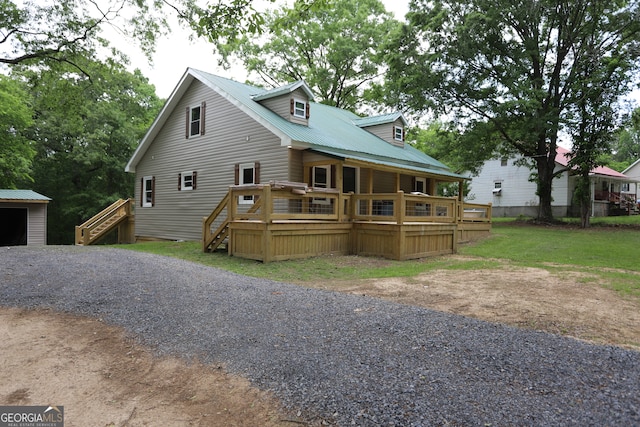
{"points": [[513, 71], [336, 51], [16, 150], [84, 131]]}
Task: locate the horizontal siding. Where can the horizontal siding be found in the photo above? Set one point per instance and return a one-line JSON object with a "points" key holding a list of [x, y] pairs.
{"points": [[517, 190], [281, 105], [385, 132], [37, 227], [230, 137]]}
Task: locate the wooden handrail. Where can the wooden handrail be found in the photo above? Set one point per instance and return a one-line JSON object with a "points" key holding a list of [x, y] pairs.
{"points": [[85, 233], [207, 236]]}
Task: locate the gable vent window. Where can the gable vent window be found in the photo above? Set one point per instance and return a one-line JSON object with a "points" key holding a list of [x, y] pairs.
{"points": [[398, 133], [195, 120]]}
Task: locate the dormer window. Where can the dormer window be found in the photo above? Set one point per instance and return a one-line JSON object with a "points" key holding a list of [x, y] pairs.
{"points": [[300, 108], [398, 133]]}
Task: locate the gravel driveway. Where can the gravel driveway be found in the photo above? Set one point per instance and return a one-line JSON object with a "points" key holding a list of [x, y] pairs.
{"points": [[345, 359]]}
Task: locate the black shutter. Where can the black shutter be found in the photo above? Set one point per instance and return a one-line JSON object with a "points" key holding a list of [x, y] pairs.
{"points": [[179, 181], [307, 111], [203, 109], [292, 106], [193, 179], [153, 191], [236, 171], [188, 124], [141, 191]]}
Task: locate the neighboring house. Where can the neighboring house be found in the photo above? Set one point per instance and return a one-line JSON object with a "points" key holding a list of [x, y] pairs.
{"points": [[507, 186], [633, 173], [23, 218], [214, 133]]}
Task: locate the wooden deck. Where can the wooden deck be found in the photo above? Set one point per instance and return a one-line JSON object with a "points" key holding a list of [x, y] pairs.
{"points": [[280, 221]]}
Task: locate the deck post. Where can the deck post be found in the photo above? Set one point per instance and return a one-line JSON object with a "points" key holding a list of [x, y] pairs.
{"points": [[401, 208], [266, 203]]}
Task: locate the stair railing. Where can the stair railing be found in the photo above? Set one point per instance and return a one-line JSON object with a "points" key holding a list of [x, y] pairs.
{"points": [[86, 232]]}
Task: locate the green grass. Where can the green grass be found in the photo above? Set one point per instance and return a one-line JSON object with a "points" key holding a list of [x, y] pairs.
{"points": [[532, 245], [608, 256]]}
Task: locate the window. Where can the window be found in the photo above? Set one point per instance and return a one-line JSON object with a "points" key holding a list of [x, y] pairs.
{"points": [[195, 120], [187, 181], [321, 178], [398, 133], [420, 185], [497, 188], [299, 109], [246, 173], [504, 162], [147, 192]]}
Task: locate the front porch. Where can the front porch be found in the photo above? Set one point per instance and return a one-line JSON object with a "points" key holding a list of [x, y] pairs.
{"points": [[284, 220]]}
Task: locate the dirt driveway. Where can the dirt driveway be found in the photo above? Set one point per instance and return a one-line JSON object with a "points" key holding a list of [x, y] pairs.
{"points": [[103, 379]]}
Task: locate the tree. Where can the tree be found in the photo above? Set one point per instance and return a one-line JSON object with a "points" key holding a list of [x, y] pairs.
{"points": [[509, 67], [37, 31], [337, 51], [626, 147], [16, 151], [85, 130], [62, 30]]}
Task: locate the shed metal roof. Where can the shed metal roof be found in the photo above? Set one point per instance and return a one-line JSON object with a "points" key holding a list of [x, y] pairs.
{"points": [[22, 195]]}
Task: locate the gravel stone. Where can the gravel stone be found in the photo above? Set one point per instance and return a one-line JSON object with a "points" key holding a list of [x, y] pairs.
{"points": [[342, 359]]}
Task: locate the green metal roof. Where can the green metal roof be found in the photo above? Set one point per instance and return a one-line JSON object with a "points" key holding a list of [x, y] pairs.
{"points": [[283, 90], [22, 195], [379, 120], [330, 130]]}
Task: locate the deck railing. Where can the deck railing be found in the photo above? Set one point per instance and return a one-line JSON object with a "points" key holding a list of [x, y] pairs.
{"points": [[279, 201]]}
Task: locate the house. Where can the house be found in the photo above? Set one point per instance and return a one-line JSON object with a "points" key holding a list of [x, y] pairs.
{"points": [[633, 173], [295, 167], [23, 218], [505, 183]]}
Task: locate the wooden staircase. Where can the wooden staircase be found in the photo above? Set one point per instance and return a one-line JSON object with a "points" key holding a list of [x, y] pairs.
{"points": [[211, 240], [118, 215]]}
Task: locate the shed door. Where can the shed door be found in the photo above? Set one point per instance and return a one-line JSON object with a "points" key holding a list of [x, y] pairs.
{"points": [[13, 226]]}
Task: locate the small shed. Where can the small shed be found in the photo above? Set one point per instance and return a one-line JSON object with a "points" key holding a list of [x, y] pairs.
{"points": [[23, 218]]}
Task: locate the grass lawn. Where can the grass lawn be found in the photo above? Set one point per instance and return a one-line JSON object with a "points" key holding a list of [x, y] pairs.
{"points": [[609, 255]]}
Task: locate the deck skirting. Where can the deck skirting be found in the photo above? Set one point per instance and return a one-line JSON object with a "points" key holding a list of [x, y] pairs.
{"points": [[283, 240]]}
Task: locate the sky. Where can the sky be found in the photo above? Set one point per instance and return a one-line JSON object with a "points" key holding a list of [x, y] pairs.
{"points": [[174, 53]]}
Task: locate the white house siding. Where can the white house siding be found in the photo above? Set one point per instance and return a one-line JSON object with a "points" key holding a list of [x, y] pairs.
{"points": [[518, 195], [230, 137], [633, 172]]}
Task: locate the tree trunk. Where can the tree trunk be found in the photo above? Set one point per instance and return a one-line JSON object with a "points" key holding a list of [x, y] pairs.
{"points": [[546, 166]]}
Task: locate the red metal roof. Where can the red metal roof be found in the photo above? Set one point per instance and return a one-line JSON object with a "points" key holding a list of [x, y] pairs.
{"points": [[562, 159]]}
